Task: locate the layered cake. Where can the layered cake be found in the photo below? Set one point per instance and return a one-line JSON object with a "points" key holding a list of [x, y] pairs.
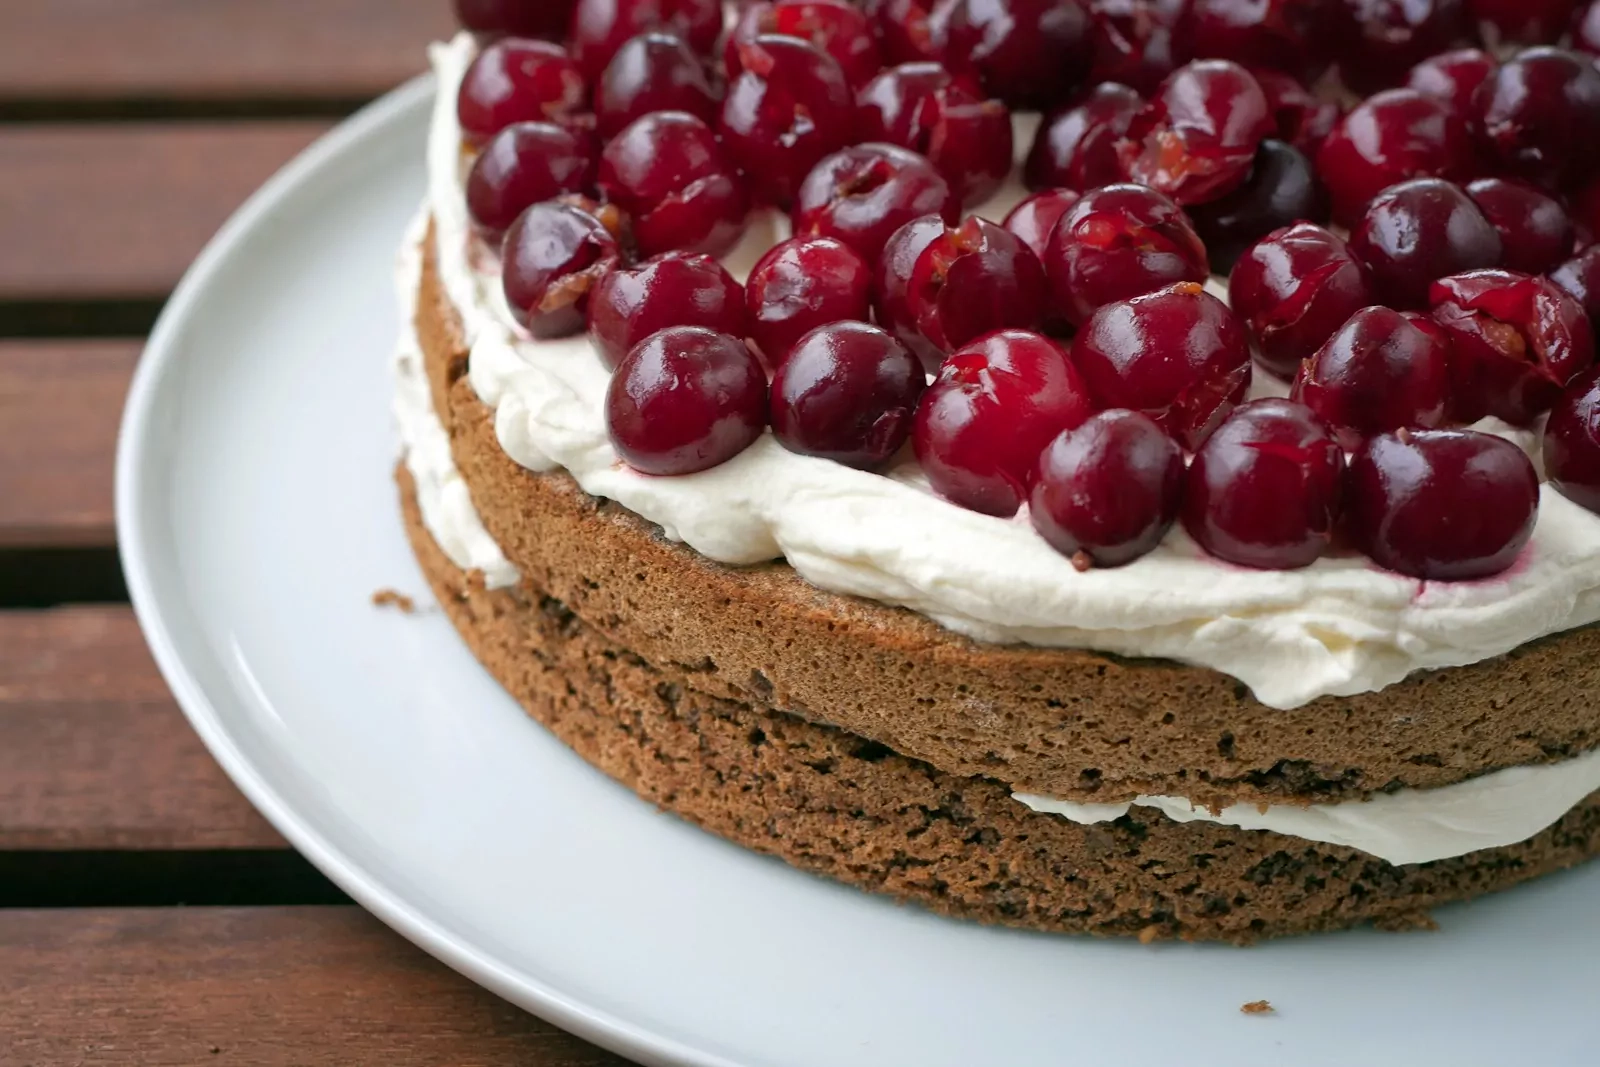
{"points": [[1171, 516]]}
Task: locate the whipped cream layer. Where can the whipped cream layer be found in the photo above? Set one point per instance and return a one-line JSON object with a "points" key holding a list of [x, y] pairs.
{"points": [[1339, 627]]}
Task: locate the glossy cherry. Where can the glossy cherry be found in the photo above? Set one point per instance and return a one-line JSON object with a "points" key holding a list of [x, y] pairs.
{"points": [[1517, 340], [1384, 39], [1452, 78], [1535, 232], [973, 279], [1029, 53], [677, 289], [515, 18], [552, 257], [668, 173], [1108, 492], [601, 27], [1441, 505], [1033, 220], [1266, 490], [1383, 370], [1579, 278], [988, 415], [1292, 290], [522, 165], [1525, 21], [789, 107], [1394, 136], [1572, 441], [1282, 189], [846, 392], [1077, 147], [800, 285], [891, 282], [1295, 36], [1135, 42], [1538, 117], [653, 72], [685, 400], [862, 195], [1417, 232], [1117, 242], [903, 29], [1586, 28], [1178, 355], [518, 80], [1196, 139], [1303, 119], [921, 106], [839, 29]]}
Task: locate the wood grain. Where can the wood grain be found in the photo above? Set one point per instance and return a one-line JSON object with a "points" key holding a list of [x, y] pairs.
{"points": [[308, 987], [94, 753], [60, 402], [232, 49], [117, 212]]}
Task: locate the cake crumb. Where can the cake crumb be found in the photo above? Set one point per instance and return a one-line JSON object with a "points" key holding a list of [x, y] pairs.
{"points": [[1258, 1007], [1150, 934], [389, 598], [1407, 922]]}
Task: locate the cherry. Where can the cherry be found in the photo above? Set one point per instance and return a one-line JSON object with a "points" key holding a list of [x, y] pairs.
{"points": [[515, 18], [988, 415], [1453, 77], [1289, 35], [922, 107], [903, 30], [1077, 147], [862, 195], [1535, 232], [789, 107], [1265, 490], [523, 164], [973, 279], [1586, 28], [1178, 355], [600, 27], [1517, 341], [1108, 492], [1538, 116], [1388, 37], [1303, 119], [1382, 371], [652, 72], [1195, 141], [800, 285], [891, 283], [1442, 505], [1282, 189], [553, 255], [677, 289], [1572, 442], [846, 392], [1135, 42], [666, 171], [1579, 278], [1033, 220], [840, 30], [1118, 242], [684, 400], [1419, 231], [1393, 136], [1029, 53], [1293, 289], [1538, 21], [518, 80]]}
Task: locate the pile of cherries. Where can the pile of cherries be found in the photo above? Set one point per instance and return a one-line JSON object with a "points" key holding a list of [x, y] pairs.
{"points": [[1070, 358]]}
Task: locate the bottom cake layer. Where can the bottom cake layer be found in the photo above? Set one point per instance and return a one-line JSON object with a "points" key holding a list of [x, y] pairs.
{"points": [[842, 806]]}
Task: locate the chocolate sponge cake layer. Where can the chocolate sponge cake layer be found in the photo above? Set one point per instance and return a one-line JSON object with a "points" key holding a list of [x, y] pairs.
{"points": [[1071, 724]]}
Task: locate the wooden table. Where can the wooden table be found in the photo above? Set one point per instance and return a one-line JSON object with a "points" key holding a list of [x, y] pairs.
{"points": [[147, 914]]}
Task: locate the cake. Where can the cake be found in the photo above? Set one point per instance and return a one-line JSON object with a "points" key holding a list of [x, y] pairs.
{"points": [[1011, 625]]}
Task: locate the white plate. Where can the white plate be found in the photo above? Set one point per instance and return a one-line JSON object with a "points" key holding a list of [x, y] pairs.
{"points": [[257, 517]]}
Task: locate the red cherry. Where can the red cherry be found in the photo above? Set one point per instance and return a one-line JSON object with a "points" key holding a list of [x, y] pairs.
{"points": [[1538, 116], [600, 27], [1442, 505], [667, 172], [800, 285], [553, 255], [1453, 77], [1029, 53], [1118, 242], [902, 28], [676, 289], [1535, 232], [1579, 278], [835, 27], [515, 18], [922, 107], [1302, 118], [993, 408], [1535, 22], [1135, 42], [789, 107], [1289, 35], [1419, 231], [846, 392], [1077, 147], [1265, 490], [1197, 139], [1178, 355], [522, 165], [862, 195], [973, 279], [1293, 289], [685, 400], [1033, 220], [653, 72], [1586, 28], [1382, 371], [1572, 441], [891, 282], [1517, 341], [1385, 38], [1394, 136], [1282, 189], [1108, 491], [518, 80]]}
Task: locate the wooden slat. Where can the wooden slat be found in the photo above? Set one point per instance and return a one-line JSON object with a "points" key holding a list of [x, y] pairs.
{"points": [[94, 753], [215, 49], [118, 211], [308, 987], [59, 406]]}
